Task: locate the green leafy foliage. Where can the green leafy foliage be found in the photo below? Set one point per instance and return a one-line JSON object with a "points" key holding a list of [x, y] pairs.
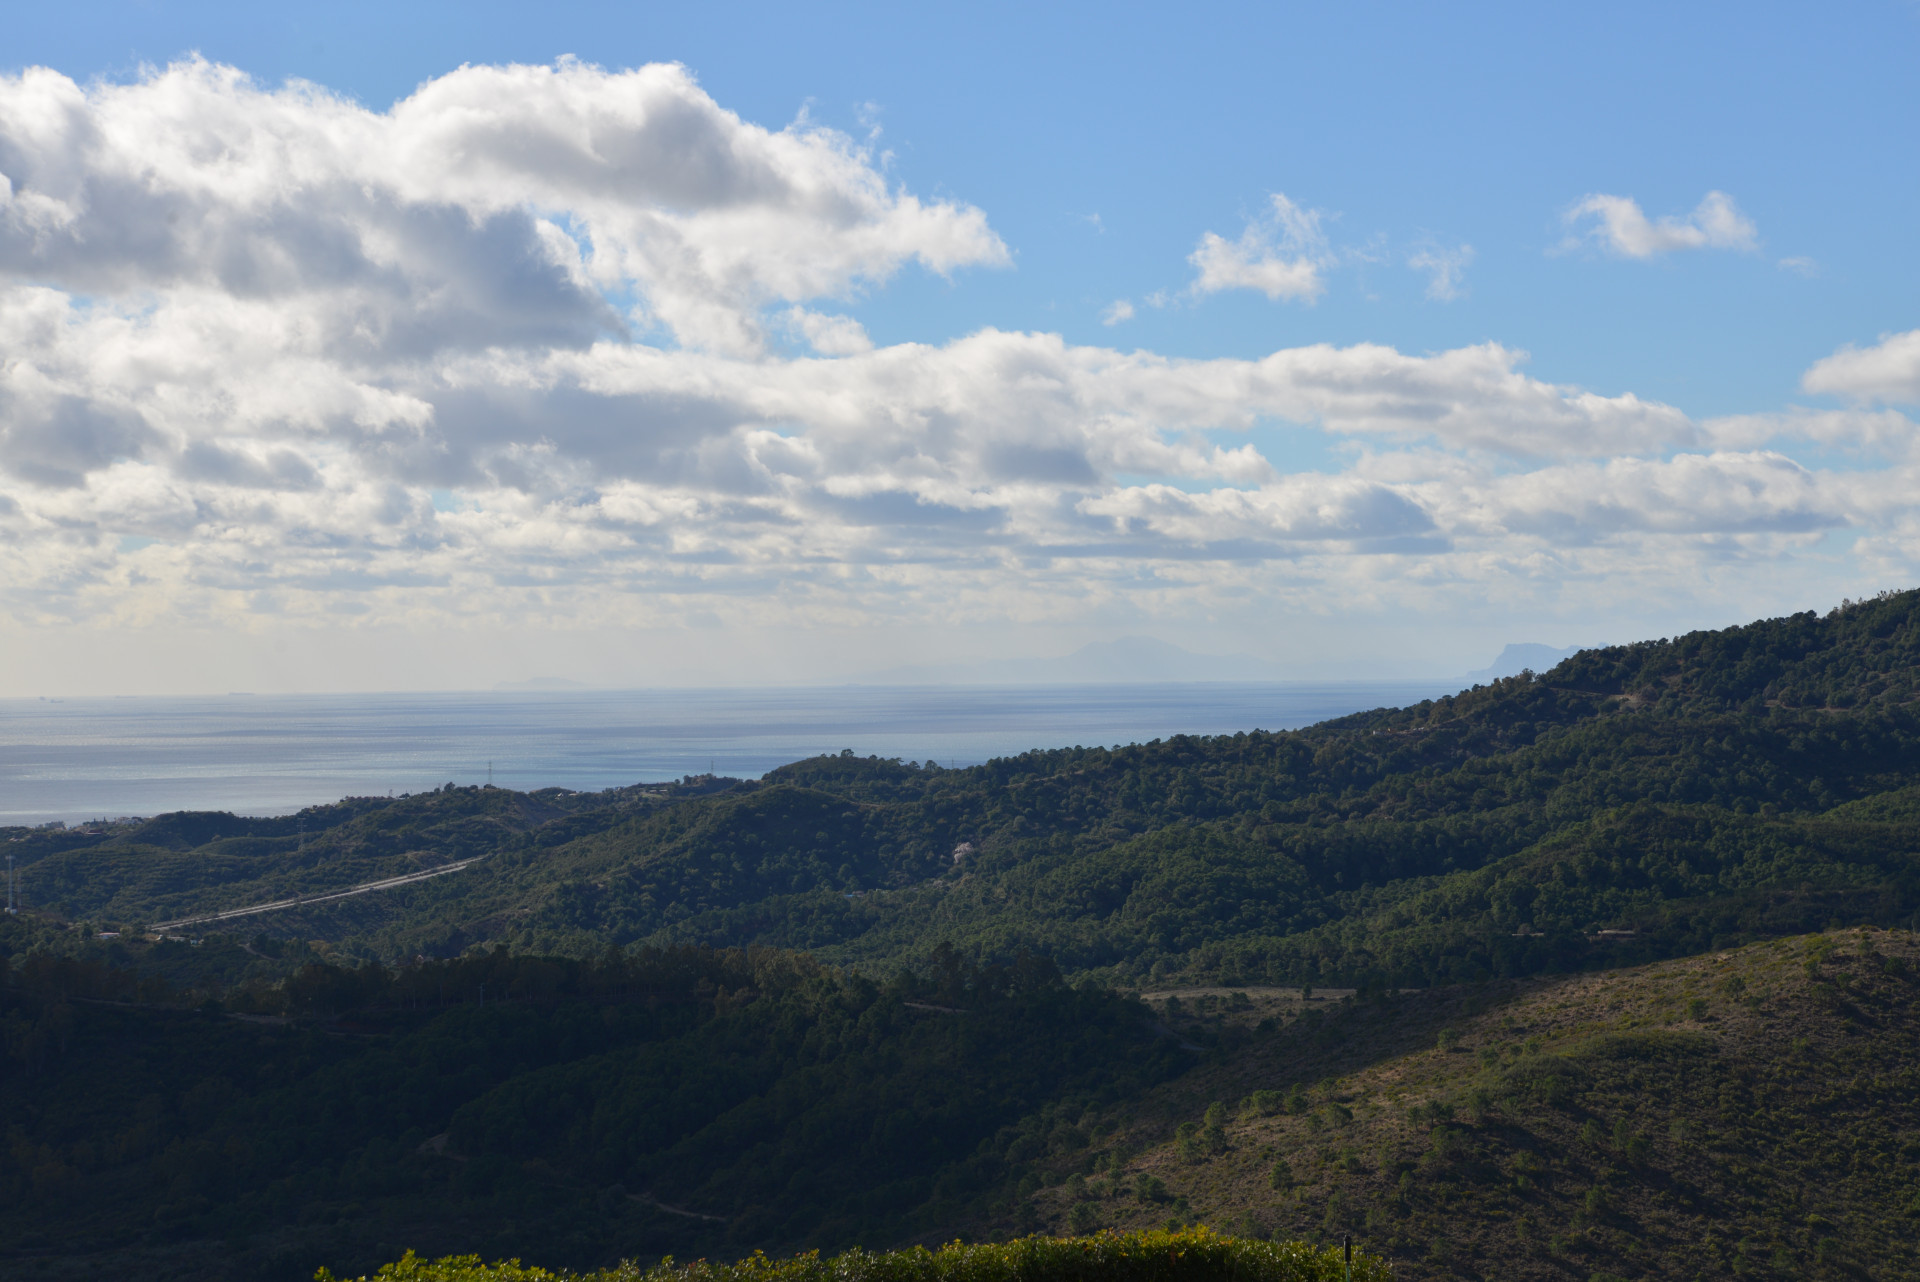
{"points": [[1192, 1255]]}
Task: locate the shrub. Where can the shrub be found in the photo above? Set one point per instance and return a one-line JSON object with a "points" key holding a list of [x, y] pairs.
{"points": [[1191, 1255], [1551, 1079]]}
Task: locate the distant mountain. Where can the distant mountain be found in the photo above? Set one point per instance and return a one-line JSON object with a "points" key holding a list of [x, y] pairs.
{"points": [[1519, 657], [1120, 661]]}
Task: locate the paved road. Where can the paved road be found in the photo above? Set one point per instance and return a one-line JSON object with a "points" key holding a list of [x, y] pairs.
{"points": [[304, 900]]}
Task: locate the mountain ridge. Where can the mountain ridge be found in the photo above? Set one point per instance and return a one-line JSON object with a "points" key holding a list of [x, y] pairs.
{"points": [[1732, 739], [863, 1000]]}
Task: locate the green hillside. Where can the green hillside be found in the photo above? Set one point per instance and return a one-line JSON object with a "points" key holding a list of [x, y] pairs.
{"points": [[1593, 997], [638, 1105], [1192, 1255], [1752, 1112], [1697, 791]]}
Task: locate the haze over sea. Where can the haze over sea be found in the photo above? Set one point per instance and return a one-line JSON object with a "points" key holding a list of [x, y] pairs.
{"points": [[79, 759]]}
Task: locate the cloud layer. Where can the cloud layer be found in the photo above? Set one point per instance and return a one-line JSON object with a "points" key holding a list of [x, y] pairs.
{"points": [[1888, 372], [572, 343]]}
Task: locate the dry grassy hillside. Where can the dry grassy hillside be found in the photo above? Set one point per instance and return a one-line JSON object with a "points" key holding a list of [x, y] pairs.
{"points": [[1751, 1112]]}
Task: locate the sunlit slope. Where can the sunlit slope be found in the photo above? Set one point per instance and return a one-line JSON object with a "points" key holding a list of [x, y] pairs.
{"points": [[188, 863], [1749, 1112]]}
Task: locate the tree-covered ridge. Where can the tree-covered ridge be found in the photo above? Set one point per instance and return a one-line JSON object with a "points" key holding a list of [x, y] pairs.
{"points": [[1190, 1255], [1754, 1112], [1401, 845], [662, 1101], [607, 1037], [178, 864], [1862, 654]]}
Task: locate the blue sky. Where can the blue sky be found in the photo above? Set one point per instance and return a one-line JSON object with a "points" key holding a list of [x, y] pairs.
{"points": [[1098, 146], [1475, 124]]}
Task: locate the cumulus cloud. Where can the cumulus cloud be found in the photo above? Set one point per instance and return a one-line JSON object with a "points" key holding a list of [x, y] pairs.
{"points": [[1618, 224], [580, 342], [1889, 371], [497, 205], [1282, 255], [829, 335], [1690, 494], [1277, 519], [1857, 429], [1118, 310]]}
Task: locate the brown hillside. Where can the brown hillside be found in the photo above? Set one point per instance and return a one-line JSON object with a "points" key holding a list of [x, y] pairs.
{"points": [[1755, 1112]]}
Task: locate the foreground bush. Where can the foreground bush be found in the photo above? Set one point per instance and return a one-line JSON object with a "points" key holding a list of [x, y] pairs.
{"points": [[1192, 1255]]}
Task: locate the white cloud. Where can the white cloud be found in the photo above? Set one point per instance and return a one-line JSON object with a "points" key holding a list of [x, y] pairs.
{"points": [[1885, 432], [1800, 266], [1690, 494], [272, 332], [1118, 310], [1348, 513], [495, 205], [1618, 223], [829, 335], [1889, 371], [1281, 255], [1446, 270]]}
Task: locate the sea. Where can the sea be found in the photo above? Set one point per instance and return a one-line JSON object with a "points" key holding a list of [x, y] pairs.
{"points": [[104, 758]]}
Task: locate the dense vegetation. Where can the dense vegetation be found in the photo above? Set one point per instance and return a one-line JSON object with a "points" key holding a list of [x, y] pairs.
{"points": [[663, 1101], [1755, 1113], [1194, 1255], [1697, 791], [864, 1002]]}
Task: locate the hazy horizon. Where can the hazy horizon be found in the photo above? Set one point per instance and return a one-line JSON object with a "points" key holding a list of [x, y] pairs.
{"points": [[1179, 667]]}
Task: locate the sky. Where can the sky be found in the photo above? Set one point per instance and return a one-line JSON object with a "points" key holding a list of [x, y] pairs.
{"points": [[428, 346]]}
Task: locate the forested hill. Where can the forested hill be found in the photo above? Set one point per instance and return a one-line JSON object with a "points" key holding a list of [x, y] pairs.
{"points": [[864, 1000], [1690, 791]]}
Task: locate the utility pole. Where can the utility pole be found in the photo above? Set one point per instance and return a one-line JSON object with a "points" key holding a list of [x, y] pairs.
{"points": [[489, 774], [11, 907]]}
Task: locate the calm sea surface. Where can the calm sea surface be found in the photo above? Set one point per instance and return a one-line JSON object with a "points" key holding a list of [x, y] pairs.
{"points": [[79, 759]]}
